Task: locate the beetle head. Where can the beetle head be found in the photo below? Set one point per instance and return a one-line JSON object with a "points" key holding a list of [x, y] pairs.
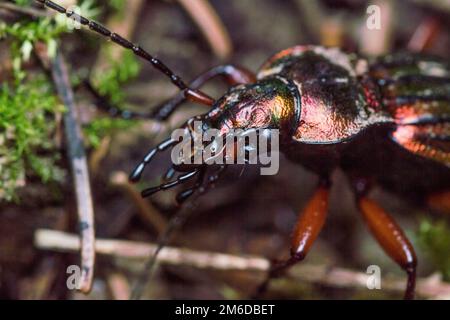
{"points": [[267, 104]]}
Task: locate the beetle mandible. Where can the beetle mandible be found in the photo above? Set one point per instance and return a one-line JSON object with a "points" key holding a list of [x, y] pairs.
{"points": [[385, 122]]}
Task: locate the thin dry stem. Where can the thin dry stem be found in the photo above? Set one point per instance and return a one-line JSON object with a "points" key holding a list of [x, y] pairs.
{"points": [[80, 172], [149, 214], [432, 287], [210, 25], [118, 286], [425, 34], [99, 154]]}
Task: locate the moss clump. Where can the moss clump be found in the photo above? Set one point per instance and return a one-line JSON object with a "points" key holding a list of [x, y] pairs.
{"points": [[118, 5], [101, 127], [434, 237], [28, 104], [28, 108], [22, 37], [27, 112], [110, 83]]}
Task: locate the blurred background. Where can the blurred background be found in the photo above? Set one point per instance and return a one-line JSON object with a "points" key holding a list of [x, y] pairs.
{"points": [[245, 214]]}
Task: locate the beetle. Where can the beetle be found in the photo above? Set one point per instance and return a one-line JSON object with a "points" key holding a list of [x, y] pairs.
{"points": [[383, 122]]}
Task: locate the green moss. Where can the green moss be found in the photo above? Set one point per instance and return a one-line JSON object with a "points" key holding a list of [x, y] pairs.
{"points": [[28, 104], [434, 238], [23, 2], [27, 110], [110, 83], [102, 127], [26, 135], [28, 107], [118, 5], [22, 37]]}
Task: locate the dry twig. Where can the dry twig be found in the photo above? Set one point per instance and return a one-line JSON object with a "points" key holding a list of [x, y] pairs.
{"points": [[61, 241], [146, 211], [210, 25], [80, 172], [431, 287], [425, 34], [99, 154], [118, 285]]}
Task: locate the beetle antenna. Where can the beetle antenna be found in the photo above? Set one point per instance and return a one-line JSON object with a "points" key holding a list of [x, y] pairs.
{"points": [[191, 94], [181, 179], [137, 172]]}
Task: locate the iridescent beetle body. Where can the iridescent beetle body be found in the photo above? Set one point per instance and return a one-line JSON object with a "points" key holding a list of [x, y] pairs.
{"points": [[386, 123], [335, 110]]}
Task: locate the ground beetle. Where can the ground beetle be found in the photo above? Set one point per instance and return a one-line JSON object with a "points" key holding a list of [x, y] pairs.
{"points": [[384, 122]]}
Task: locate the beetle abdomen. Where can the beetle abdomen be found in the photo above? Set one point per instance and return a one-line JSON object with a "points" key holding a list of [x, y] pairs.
{"points": [[415, 90]]}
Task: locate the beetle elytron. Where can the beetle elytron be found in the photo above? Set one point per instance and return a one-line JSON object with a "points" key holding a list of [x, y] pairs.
{"points": [[385, 123]]}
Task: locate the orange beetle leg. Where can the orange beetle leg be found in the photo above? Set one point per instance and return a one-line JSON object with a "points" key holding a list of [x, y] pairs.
{"points": [[392, 239], [306, 231]]}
